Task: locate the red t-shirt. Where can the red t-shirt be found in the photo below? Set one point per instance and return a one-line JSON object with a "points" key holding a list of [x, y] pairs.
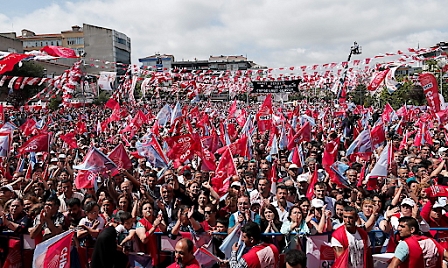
{"points": [[192, 264]]}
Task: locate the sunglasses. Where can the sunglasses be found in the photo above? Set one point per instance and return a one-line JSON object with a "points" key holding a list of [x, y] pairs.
{"points": [[208, 211]]}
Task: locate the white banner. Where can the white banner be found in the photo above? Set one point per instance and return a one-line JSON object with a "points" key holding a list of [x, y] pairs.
{"points": [[107, 80]]}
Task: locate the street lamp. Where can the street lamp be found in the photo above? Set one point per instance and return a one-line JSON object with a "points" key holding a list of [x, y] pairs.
{"points": [[441, 64]]}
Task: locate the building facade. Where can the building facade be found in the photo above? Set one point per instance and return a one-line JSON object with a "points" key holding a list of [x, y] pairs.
{"points": [[10, 43]]}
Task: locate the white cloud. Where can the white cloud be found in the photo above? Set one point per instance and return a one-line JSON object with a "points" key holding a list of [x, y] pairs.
{"points": [[273, 33]]}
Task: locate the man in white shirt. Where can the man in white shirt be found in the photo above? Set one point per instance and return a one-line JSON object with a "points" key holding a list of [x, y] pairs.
{"points": [[281, 204]]}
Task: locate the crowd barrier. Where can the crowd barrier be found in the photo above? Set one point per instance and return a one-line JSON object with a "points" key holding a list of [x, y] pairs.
{"points": [[19, 249]]}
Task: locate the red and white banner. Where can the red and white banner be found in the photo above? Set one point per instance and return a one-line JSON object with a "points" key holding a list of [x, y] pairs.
{"points": [[63, 52], [377, 80], [431, 90], [54, 252]]}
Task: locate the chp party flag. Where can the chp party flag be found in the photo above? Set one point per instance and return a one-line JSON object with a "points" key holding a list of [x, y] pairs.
{"points": [[85, 179], [377, 80], [431, 90], [69, 139], [264, 115], [38, 143], [225, 169], [54, 252], [120, 157]]}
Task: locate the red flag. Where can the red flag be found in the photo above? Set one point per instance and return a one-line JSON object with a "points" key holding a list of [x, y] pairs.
{"points": [[377, 80], [431, 90], [378, 135], [111, 103], [38, 143], [7, 63], [120, 157], [81, 127], [63, 52], [273, 177], [296, 157], [385, 116], [239, 147], [304, 134], [29, 171], [310, 190], [70, 139], [232, 110], [58, 254], [28, 127], [208, 159], [225, 169], [264, 115], [182, 147], [85, 179], [330, 153]]}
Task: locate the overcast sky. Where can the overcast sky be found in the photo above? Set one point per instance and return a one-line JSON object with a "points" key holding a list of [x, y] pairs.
{"points": [[271, 33]]}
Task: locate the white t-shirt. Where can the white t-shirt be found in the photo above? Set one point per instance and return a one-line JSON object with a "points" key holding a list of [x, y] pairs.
{"points": [[356, 247], [89, 223]]}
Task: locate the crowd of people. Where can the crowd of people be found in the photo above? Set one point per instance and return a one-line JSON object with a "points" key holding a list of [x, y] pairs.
{"points": [[274, 199]]}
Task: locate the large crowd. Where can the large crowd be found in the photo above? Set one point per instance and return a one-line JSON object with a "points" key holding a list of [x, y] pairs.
{"points": [[279, 194]]}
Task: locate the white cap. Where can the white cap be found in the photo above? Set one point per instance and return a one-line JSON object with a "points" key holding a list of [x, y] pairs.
{"points": [[437, 205], [408, 201], [302, 178], [293, 166], [317, 203], [235, 183], [62, 156], [442, 150], [7, 187], [54, 159], [39, 153]]}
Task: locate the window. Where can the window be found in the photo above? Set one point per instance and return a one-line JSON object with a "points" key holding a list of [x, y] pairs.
{"points": [[75, 41]]}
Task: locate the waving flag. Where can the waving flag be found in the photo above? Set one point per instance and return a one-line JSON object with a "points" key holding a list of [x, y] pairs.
{"points": [[337, 176], [63, 52], [151, 154], [239, 147], [7, 63], [69, 139], [85, 179], [28, 127], [54, 252], [304, 134], [382, 165], [310, 190], [264, 115], [330, 153], [176, 113], [225, 169], [377, 80], [96, 161], [38, 143], [377, 134], [431, 90], [4, 144], [120, 157], [361, 146], [164, 115]]}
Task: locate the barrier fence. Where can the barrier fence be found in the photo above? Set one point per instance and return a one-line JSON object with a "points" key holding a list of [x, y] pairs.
{"points": [[19, 249]]}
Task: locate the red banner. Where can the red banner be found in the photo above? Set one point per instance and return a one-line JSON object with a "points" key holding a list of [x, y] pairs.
{"points": [[431, 90], [7, 63], [38, 143], [63, 52], [58, 254], [377, 80]]}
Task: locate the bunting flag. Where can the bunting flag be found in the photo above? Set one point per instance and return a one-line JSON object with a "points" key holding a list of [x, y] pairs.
{"points": [[120, 157], [96, 161], [7, 63], [224, 171], [38, 143], [56, 51], [69, 139], [264, 115], [54, 252], [304, 134]]}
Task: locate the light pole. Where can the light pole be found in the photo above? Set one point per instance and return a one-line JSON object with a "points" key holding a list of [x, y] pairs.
{"points": [[441, 64]]}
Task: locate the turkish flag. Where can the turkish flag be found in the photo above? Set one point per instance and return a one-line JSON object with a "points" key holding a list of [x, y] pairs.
{"points": [[309, 191], [7, 63], [70, 139], [63, 52], [225, 169], [120, 157], [111, 103], [304, 134], [85, 179], [38, 143], [330, 153], [264, 115], [239, 147]]}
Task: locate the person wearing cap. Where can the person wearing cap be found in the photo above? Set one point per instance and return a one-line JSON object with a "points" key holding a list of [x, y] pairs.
{"points": [[351, 244], [293, 171], [434, 213], [320, 190], [6, 193], [321, 216], [302, 184]]}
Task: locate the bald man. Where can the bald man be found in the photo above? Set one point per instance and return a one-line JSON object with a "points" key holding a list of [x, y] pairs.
{"points": [[183, 255]]}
